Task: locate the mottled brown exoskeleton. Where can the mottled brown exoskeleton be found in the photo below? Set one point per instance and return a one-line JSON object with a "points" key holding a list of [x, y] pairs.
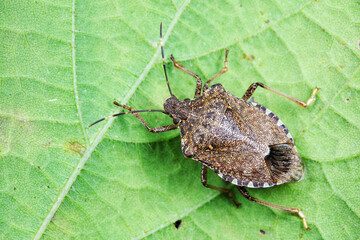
{"points": [[243, 142]]}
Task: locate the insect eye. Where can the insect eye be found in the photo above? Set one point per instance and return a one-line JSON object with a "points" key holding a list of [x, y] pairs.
{"points": [[176, 120]]}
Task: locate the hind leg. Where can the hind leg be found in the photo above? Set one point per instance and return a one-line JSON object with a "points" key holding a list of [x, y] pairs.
{"points": [[246, 194]]}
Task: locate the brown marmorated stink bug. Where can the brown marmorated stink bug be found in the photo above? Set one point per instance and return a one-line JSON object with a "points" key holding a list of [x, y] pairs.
{"points": [[242, 141]]}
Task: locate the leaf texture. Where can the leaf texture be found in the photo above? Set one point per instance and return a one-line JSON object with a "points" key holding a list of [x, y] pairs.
{"points": [[62, 63]]}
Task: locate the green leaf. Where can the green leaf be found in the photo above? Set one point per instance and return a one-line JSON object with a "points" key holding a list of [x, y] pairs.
{"points": [[62, 63]]}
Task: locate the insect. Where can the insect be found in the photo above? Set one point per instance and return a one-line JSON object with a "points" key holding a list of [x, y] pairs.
{"points": [[241, 141]]}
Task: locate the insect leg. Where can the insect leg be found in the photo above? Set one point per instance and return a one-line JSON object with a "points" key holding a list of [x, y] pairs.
{"points": [[253, 87], [246, 194], [224, 190], [154, 130], [222, 71], [198, 81]]}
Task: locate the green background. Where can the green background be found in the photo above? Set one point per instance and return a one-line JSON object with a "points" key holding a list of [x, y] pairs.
{"points": [[62, 63]]}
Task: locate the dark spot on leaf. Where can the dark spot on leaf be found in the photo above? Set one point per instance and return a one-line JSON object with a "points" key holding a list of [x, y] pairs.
{"points": [[267, 21], [14, 188], [347, 99], [341, 66], [300, 235], [248, 57], [38, 167], [177, 224], [262, 232], [75, 147], [48, 143]]}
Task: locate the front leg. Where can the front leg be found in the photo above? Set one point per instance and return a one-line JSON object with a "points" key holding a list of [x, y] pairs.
{"points": [[153, 130], [222, 71], [198, 79]]}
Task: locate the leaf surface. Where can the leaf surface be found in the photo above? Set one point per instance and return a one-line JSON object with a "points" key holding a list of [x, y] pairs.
{"points": [[64, 62]]}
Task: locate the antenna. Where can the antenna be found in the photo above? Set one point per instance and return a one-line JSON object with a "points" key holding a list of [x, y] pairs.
{"points": [[163, 60], [138, 111], [123, 113]]}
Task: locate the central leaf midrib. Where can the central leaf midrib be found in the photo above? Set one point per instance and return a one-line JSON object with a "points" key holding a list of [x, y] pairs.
{"points": [[103, 131]]}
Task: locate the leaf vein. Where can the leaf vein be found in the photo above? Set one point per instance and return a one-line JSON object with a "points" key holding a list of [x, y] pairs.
{"points": [[177, 217]]}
